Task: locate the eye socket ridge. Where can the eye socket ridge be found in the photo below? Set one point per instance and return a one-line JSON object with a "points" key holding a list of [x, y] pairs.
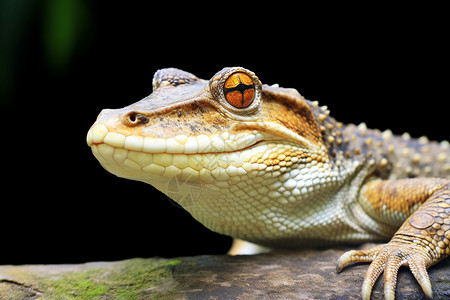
{"points": [[238, 90]]}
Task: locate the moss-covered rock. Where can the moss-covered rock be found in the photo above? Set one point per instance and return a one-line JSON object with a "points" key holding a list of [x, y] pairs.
{"points": [[308, 274], [129, 279]]}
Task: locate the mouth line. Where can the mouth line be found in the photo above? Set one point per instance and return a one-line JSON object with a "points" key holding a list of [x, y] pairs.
{"points": [[205, 158], [175, 153], [180, 144], [210, 167]]}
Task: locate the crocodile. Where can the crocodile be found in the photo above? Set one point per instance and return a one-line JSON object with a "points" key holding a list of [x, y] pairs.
{"points": [[262, 164]]}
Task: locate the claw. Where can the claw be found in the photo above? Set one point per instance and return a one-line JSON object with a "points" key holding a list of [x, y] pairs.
{"points": [[418, 267], [344, 259], [389, 259], [357, 256], [373, 272]]}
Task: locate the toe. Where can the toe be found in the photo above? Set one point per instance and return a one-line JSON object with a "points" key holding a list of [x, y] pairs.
{"points": [[357, 256], [393, 264], [372, 274], [418, 267]]}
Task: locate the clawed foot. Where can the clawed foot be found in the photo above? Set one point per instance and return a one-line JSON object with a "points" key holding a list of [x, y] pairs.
{"points": [[389, 258]]}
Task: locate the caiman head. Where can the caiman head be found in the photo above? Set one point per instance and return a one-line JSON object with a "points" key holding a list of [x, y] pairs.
{"points": [[234, 153]]}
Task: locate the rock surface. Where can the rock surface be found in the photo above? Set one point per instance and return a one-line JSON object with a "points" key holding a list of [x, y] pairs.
{"points": [[308, 274]]}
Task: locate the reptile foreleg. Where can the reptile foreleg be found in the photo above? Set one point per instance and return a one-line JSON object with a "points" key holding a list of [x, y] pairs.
{"points": [[421, 241]]}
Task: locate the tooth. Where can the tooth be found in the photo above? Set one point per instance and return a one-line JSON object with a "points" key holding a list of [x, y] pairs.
{"points": [[173, 146], [154, 169], [204, 143], [163, 159], [217, 143], [115, 139], [98, 133], [180, 161], [142, 159], [154, 145], [120, 155], [191, 145], [134, 142]]}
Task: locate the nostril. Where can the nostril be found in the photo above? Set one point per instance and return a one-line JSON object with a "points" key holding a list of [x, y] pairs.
{"points": [[135, 118]]}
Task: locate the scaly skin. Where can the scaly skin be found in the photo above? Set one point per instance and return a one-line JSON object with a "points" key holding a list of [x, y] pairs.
{"points": [[262, 164]]}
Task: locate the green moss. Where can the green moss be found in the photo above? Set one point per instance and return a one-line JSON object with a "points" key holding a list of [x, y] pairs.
{"points": [[173, 263], [74, 285], [130, 279], [137, 278]]}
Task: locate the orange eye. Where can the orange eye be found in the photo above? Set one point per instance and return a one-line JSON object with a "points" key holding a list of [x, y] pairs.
{"points": [[239, 90]]}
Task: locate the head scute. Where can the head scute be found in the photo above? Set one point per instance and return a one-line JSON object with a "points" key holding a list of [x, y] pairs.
{"points": [[172, 77]]}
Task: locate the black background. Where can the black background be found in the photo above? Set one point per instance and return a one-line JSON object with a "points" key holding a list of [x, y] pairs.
{"points": [[384, 66]]}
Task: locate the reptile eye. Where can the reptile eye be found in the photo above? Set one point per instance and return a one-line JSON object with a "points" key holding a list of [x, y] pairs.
{"points": [[239, 90]]}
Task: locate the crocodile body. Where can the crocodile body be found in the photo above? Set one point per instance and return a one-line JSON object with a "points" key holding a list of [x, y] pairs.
{"points": [[262, 164]]}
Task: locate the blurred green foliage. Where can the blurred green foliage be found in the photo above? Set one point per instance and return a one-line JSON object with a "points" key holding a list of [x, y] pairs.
{"points": [[63, 25], [50, 31], [14, 17]]}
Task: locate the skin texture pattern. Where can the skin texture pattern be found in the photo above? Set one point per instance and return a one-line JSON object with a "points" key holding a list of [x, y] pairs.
{"points": [[262, 164]]}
